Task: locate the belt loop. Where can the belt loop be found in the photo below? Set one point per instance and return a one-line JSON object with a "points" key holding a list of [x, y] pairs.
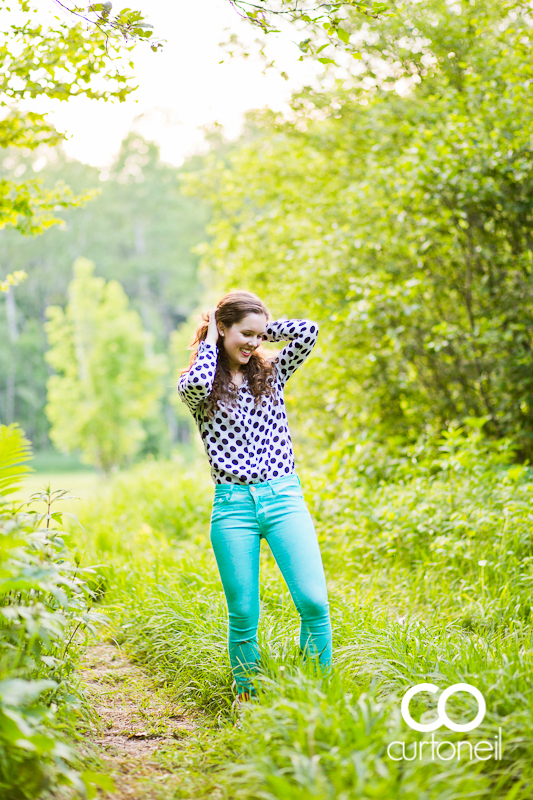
{"points": [[274, 490], [230, 492]]}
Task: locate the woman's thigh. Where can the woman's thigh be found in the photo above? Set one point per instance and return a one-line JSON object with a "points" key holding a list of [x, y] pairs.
{"points": [[291, 535], [235, 538]]}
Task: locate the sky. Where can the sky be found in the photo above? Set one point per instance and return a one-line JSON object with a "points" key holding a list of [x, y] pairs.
{"points": [[182, 87]]}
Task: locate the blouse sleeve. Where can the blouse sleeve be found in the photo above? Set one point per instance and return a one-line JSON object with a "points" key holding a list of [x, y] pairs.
{"points": [[196, 384], [301, 334]]}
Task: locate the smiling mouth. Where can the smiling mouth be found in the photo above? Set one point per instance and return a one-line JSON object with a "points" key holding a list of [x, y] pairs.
{"points": [[246, 352]]}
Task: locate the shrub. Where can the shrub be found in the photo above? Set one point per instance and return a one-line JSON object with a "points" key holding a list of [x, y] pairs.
{"points": [[44, 603]]}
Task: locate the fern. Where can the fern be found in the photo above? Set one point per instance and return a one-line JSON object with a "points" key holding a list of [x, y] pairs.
{"points": [[15, 451]]}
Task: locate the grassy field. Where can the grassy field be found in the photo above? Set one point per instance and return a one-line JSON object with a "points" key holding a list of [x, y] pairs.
{"points": [[82, 484], [429, 576], [61, 473]]}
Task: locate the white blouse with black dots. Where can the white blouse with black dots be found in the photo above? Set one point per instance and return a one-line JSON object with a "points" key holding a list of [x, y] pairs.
{"points": [[247, 445]]}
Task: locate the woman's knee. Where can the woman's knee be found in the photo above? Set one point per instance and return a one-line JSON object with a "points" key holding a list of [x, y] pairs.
{"points": [[313, 606], [243, 615]]}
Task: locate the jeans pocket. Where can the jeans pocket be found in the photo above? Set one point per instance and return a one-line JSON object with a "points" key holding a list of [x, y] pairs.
{"points": [[290, 491], [220, 504]]}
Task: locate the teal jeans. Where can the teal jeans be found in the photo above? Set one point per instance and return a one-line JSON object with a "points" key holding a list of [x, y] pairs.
{"points": [[276, 511]]}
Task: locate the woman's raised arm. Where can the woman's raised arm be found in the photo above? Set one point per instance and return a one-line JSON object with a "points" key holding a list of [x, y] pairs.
{"points": [[301, 334], [196, 384]]}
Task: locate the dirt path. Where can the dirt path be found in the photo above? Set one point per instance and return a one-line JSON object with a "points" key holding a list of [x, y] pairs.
{"points": [[140, 732]]}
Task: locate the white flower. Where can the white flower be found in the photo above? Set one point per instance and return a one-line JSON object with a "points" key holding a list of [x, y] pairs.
{"points": [[483, 562]]}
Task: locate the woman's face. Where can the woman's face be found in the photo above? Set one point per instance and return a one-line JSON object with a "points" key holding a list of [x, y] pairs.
{"points": [[242, 338]]}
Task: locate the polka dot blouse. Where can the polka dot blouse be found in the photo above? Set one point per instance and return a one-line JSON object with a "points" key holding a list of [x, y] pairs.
{"points": [[245, 444]]}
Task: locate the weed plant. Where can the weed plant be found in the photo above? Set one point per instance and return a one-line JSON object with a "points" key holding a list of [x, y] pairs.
{"points": [[45, 610]]}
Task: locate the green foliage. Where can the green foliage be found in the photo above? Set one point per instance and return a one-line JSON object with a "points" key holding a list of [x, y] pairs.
{"points": [[165, 499], [107, 381], [58, 61], [44, 606], [139, 230], [450, 508], [429, 569], [142, 232], [30, 209], [12, 280], [15, 451], [324, 22], [131, 25], [402, 224]]}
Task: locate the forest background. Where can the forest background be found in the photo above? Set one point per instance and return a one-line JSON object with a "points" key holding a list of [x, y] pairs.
{"points": [[393, 205], [402, 223], [139, 231]]}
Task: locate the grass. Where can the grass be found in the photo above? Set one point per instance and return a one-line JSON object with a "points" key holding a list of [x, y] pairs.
{"points": [[83, 484], [60, 472], [51, 461], [429, 578]]}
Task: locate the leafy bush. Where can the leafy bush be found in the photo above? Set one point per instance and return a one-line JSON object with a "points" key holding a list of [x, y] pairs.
{"points": [[142, 512], [44, 603], [451, 510], [401, 224]]}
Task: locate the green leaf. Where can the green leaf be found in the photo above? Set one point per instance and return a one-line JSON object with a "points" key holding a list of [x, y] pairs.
{"points": [[15, 450], [13, 727], [343, 35], [14, 692], [92, 779]]}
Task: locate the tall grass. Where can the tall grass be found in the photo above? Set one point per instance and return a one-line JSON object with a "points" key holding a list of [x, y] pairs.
{"points": [[429, 570]]}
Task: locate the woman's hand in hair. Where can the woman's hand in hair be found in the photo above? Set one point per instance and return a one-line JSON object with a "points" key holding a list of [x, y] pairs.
{"points": [[212, 330]]}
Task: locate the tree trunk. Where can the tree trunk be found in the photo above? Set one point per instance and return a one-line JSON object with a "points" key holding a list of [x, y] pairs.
{"points": [[11, 313]]}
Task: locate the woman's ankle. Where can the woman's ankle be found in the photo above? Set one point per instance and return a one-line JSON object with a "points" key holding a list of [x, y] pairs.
{"points": [[247, 695]]}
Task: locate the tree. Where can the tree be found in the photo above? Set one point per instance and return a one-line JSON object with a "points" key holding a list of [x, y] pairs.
{"points": [[12, 280], [107, 380], [130, 25], [324, 25], [142, 230], [58, 61], [403, 223], [139, 230]]}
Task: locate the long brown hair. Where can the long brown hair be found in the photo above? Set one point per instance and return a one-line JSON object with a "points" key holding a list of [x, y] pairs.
{"points": [[259, 370]]}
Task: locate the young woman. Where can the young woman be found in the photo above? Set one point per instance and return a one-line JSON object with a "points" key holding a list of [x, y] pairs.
{"points": [[234, 389]]}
